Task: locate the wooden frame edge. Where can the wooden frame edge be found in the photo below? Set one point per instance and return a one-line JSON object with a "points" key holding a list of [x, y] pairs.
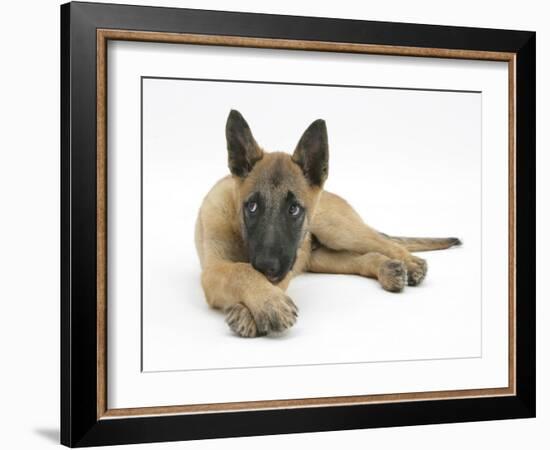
{"points": [[103, 35], [512, 329], [304, 403], [101, 222], [290, 44]]}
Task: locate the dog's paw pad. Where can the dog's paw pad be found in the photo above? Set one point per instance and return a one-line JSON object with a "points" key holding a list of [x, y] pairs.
{"points": [[392, 275], [240, 320], [417, 269]]}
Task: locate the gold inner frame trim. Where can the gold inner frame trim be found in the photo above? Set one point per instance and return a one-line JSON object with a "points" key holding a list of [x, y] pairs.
{"points": [[104, 35]]}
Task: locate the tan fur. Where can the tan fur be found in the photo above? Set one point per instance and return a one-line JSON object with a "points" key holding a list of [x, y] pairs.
{"points": [[342, 243]]}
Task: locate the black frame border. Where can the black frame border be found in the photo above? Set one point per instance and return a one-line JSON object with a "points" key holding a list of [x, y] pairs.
{"points": [[79, 423]]}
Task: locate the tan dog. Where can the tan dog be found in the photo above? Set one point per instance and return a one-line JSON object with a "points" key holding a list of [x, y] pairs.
{"points": [[271, 220]]}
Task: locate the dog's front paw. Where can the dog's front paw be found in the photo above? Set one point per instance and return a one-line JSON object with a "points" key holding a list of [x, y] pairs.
{"points": [[272, 315], [275, 314], [240, 320], [392, 275], [417, 268]]}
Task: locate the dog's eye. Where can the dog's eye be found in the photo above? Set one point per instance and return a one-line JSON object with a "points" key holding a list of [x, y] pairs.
{"points": [[252, 207], [294, 210]]}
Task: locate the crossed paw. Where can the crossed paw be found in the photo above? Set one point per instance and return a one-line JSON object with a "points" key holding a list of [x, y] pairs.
{"points": [[273, 315]]}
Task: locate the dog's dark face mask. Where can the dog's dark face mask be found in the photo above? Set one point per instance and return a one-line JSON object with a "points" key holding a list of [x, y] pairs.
{"points": [[277, 193], [273, 229]]}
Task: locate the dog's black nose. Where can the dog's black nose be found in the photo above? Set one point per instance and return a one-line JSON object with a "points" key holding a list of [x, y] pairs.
{"points": [[269, 266]]}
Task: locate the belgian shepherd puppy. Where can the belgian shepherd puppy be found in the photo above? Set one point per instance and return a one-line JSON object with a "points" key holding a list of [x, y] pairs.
{"points": [[271, 220]]}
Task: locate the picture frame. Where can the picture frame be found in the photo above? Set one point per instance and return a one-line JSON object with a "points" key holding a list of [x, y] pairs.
{"points": [[86, 418]]}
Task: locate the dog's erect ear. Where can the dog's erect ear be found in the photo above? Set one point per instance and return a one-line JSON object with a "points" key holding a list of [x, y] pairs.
{"points": [[242, 150], [311, 153]]}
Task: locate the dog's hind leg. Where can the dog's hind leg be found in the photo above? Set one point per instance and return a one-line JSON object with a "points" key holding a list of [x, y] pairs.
{"points": [[337, 226], [391, 273]]}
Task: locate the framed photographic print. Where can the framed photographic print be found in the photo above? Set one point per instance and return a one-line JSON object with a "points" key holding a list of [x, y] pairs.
{"points": [[250, 204]]}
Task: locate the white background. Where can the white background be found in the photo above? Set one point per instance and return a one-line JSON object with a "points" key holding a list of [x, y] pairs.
{"points": [[29, 182], [342, 318]]}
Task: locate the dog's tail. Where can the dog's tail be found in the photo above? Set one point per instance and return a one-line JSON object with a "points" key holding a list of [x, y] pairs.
{"points": [[414, 244]]}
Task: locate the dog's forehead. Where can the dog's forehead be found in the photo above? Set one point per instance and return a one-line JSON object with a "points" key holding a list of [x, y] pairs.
{"points": [[276, 175]]}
